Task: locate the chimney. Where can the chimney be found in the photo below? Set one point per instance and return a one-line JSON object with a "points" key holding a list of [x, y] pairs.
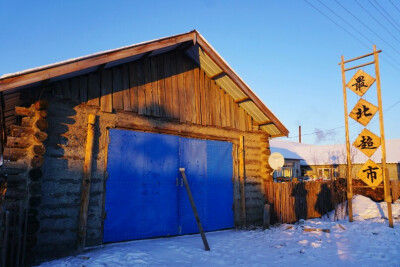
{"points": [[300, 134]]}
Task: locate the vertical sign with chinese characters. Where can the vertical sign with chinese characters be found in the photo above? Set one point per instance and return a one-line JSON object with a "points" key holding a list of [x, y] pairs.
{"points": [[367, 142]]}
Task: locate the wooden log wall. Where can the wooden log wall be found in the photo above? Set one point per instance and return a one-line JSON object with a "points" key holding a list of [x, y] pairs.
{"points": [[11, 99], [23, 159], [255, 175], [167, 86]]}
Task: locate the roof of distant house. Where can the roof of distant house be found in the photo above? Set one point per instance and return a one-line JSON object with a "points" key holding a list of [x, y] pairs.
{"points": [[332, 154]]}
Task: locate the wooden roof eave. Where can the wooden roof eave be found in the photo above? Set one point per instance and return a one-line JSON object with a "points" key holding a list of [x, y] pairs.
{"points": [[239, 82], [66, 67], [54, 70]]}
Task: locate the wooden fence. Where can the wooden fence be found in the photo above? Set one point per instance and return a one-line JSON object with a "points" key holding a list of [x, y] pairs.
{"points": [[13, 223], [292, 201], [395, 185]]}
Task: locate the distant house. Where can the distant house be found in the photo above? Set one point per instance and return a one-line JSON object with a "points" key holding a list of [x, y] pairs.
{"points": [[291, 168], [330, 161]]}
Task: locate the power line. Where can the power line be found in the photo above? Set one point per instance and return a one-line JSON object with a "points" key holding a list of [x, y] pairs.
{"points": [[390, 16], [366, 26], [387, 16], [377, 21], [363, 35], [398, 10], [384, 58], [340, 26], [359, 32]]}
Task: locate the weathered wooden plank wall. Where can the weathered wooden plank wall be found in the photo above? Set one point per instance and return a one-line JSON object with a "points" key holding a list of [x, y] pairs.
{"points": [[293, 201], [168, 85]]}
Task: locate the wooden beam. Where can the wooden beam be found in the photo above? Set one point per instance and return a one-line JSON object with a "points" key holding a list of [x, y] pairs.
{"points": [[196, 214], [25, 112], [218, 75], [359, 66], [264, 123], [346, 120], [386, 188], [87, 173], [242, 181], [242, 100], [366, 55], [88, 62], [20, 142], [184, 46]]}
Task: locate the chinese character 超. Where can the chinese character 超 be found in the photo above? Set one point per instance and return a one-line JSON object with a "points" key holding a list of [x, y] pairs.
{"points": [[367, 143]]}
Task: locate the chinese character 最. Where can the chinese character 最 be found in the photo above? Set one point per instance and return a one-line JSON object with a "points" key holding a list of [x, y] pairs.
{"points": [[359, 83]]}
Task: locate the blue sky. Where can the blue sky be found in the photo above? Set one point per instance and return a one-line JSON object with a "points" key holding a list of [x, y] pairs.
{"points": [[286, 51]]}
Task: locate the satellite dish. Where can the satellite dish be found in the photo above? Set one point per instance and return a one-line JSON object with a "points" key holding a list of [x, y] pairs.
{"points": [[276, 160]]}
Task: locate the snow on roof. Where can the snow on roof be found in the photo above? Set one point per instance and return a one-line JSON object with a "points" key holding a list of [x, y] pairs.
{"points": [[52, 65], [332, 154]]}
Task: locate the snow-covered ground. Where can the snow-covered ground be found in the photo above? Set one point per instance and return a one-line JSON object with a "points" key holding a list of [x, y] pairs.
{"points": [[368, 241]]}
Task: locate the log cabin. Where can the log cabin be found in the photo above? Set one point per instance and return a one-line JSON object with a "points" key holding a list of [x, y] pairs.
{"points": [[99, 140]]}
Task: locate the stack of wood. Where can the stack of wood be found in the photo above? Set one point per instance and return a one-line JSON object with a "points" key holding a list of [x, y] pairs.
{"points": [[376, 194], [25, 141], [23, 157]]}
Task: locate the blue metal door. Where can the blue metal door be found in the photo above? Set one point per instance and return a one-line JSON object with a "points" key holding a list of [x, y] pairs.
{"points": [[141, 197], [145, 195], [193, 157], [219, 186], [208, 167]]}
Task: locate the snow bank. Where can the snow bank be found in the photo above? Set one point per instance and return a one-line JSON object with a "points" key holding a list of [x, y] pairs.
{"points": [[368, 241]]}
